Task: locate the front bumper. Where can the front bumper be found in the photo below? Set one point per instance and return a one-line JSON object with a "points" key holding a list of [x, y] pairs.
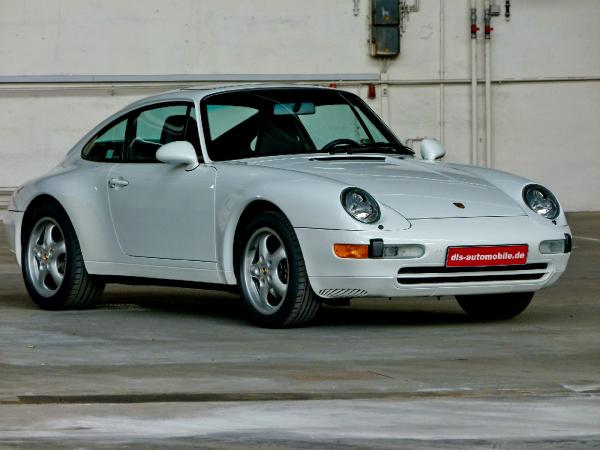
{"points": [[332, 277], [12, 225]]}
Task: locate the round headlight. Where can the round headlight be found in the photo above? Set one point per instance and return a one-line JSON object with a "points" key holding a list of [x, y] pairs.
{"points": [[360, 205], [541, 201]]}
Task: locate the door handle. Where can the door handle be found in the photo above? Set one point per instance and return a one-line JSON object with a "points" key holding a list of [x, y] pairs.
{"points": [[117, 183]]}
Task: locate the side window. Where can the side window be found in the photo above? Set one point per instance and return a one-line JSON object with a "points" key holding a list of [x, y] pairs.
{"points": [[155, 127], [107, 146]]}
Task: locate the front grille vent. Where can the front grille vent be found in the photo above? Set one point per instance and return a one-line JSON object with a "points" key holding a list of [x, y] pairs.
{"points": [[349, 158], [342, 293], [453, 275]]}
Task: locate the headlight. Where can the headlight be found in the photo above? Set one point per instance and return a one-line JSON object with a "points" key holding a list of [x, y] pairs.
{"points": [[541, 201], [360, 205]]}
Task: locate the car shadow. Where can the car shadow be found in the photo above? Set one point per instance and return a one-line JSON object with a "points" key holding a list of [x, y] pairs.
{"points": [[229, 308], [394, 314], [177, 301]]}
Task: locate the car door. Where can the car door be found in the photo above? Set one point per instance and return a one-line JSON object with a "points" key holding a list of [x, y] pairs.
{"points": [[161, 210]]}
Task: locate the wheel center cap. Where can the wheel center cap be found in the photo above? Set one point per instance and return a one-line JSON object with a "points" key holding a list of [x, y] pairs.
{"points": [[45, 257]]}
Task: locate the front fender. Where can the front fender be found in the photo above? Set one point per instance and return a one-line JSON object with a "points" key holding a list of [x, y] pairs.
{"points": [[308, 201]]}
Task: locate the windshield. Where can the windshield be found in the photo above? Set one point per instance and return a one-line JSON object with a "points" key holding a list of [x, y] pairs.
{"points": [[284, 121]]}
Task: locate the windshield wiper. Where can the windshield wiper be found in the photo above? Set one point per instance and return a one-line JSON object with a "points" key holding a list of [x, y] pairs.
{"points": [[375, 147], [397, 148]]}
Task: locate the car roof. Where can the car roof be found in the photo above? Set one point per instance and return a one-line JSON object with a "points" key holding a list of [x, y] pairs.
{"points": [[196, 93], [188, 93]]}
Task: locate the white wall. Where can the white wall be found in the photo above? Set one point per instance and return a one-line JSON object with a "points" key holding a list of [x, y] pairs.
{"points": [[545, 125]]}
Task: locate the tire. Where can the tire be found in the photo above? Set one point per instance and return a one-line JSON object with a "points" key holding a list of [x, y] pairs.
{"points": [[495, 306], [271, 274], [52, 263]]}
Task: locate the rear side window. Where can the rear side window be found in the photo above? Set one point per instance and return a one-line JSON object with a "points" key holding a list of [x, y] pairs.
{"points": [[108, 145]]}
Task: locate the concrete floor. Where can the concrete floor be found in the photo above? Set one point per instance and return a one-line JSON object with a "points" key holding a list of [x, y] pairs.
{"points": [[158, 367]]}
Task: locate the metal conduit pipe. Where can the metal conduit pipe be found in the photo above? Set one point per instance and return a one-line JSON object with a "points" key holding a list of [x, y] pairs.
{"points": [[488, 84], [474, 30], [442, 72], [139, 88]]}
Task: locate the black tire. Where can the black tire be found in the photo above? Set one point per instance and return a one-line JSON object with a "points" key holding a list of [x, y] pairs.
{"points": [[78, 290], [300, 304], [495, 306]]}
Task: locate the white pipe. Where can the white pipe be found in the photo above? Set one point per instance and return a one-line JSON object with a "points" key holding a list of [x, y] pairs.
{"points": [[473, 92], [384, 97], [442, 73], [488, 96], [488, 105]]}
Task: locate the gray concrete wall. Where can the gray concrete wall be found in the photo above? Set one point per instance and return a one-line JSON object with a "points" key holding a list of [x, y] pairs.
{"points": [[545, 64]]}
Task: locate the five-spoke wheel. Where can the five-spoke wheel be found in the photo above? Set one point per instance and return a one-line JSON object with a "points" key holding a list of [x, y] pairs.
{"points": [[265, 270], [47, 257], [271, 273], [53, 267]]}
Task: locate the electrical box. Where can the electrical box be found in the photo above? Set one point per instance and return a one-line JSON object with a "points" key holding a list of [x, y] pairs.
{"points": [[385, 27]]}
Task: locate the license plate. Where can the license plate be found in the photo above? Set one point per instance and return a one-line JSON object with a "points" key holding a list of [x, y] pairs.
{"points": [[491, 255]]}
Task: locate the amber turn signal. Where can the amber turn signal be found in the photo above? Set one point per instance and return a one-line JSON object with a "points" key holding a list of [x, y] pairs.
{"points": [[351, 251]]}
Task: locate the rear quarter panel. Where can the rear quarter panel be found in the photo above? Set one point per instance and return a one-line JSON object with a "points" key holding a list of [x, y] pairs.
{"points": [[81, 189]]}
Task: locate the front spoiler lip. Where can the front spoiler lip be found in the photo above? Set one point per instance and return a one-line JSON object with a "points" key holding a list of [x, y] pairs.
{"points": [[388, 287], [436, 236]]}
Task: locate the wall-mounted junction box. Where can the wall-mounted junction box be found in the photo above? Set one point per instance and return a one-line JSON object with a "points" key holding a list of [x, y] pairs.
{"points": [[385, 28]]}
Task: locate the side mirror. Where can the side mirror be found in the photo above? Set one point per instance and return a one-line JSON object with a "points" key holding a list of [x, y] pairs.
{"points": [[432, 150], [178, 152]]}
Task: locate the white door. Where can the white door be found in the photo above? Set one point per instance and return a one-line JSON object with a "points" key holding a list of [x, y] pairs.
{"points": [[161, 210]]}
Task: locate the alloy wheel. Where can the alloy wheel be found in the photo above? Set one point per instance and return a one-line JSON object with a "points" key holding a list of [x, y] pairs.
{"points": [[47, 257], [265, 271]]}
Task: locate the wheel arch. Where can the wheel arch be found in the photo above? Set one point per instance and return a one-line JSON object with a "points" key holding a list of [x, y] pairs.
{"points": [[82, 214], [76, 290], [250, 211], [36, 202]]}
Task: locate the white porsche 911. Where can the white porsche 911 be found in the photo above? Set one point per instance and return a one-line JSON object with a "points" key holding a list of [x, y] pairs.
{"points": [[296, 196]]}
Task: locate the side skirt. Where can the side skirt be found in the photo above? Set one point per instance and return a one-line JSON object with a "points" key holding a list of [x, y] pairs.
{"points": [[142, 281]]}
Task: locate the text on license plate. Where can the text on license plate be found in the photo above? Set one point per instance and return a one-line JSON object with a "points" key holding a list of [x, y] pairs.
{"points": [[492, 255]]}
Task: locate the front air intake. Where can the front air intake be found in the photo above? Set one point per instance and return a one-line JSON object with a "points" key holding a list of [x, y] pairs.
{"points": [[454, 275]]}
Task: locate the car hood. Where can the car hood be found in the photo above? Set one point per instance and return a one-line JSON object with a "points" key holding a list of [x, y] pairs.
{"points": [[415, 189]]}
